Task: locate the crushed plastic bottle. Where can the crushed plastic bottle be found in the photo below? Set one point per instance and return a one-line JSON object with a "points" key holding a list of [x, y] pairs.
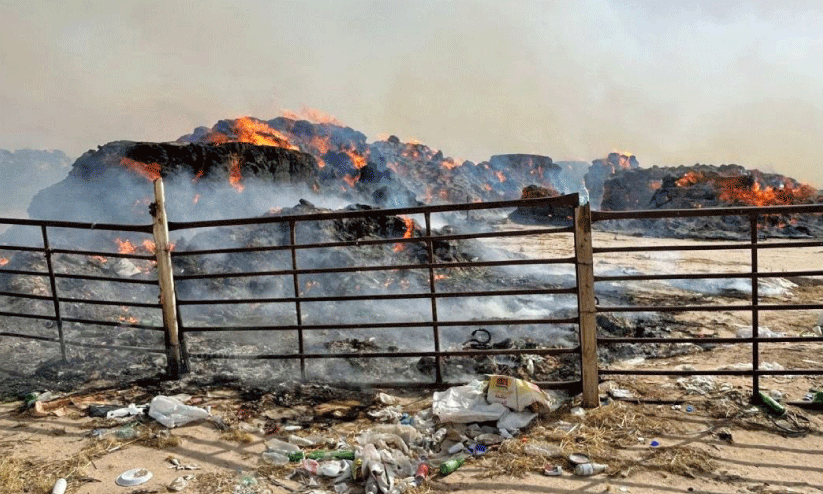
{"points": [[275, 458]]}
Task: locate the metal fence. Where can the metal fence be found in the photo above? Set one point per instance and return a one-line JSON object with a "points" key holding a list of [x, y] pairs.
{"points": [[58, 301], [177, 327], [428, 238], [754, 215]]}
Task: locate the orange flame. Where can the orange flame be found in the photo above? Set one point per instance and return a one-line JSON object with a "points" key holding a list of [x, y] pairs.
{"points": [[357, 159], [149, 246], [350, 180], [450, 164], [440, 277], [196, 198], [251, 130], [124, 246], [312, 115], [408, 233], [3, 261], [747, 190], [101, 259], [235, 175], [500, 177], [151, 171]]}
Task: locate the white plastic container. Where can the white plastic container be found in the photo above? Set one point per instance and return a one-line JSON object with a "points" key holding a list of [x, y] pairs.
{"points": [[59, 487], [171, 412]]}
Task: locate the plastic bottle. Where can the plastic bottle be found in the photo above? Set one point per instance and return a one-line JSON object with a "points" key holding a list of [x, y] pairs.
{"points": [[586, 469], [451, 465], [541, 449], [773, 406], [421, 473], [341, 454], [59, 487], [275, 458]]}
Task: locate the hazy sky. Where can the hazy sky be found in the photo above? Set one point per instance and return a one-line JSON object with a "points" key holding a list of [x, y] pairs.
{"points": [[673, 82]]}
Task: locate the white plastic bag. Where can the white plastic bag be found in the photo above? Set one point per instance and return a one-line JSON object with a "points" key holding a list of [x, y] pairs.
{"points": [[466, 404], [171, 412]]}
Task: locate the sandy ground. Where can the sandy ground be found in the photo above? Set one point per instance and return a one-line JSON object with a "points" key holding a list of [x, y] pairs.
{"points": [[757, 459]]}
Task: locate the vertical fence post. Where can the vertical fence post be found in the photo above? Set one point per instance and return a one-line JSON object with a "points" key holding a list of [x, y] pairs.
{"points": [[54, 296], [165, 280], [435, 326], [586, 304], [755, 311], [298, 312]]}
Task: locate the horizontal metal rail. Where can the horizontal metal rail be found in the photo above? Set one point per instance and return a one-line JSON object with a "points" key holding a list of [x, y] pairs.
{"points": [[569, 200], [357, 269], [388, 324], [28, 316], [700, 212], [732, 246], [121, 324], [149, 305], [67, 276], [90, 253], [25, 295], [713, 372], [707, 308], [363, 243], [707, 276], [712, 340], [390, 296], [347, 355], [77, 225], [22, 248], [29, 336]]}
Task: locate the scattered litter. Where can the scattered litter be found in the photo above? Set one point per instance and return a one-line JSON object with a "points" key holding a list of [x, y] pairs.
{"points": [[451, 465], [135, 476], [516, 394], [621, 394], [725, 435], [762, 332], [578, 459], [587, 469], [465, 404], [578, 412], [553, 470], [689, 409], [701, 385], [387, 399], [176, 465], [543, 449], [178, 484], [171, 412], [59, 487], [655, 443]]}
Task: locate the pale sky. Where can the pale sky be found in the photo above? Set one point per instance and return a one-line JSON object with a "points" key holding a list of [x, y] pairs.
{"points": [[674, 82]]}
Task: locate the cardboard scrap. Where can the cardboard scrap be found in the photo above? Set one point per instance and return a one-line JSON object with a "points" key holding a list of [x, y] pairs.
{"points": [[516, 394]]}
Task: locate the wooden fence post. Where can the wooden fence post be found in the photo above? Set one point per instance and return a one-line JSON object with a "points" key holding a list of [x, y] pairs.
{"points": [[166, 280], [586, 304]]}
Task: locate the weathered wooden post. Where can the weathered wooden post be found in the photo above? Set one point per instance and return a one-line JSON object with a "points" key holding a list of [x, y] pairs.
{"points": [[166, 280], [586, 304]]}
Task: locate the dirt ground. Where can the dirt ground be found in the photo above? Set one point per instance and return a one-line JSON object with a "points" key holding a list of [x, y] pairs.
{"points": [[710, 439]]}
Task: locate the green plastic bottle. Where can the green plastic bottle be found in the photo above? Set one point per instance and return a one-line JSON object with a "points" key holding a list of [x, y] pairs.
{"points": [[773, 406], [451, 465]]}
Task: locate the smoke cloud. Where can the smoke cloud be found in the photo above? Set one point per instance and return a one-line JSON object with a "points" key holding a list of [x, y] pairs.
{"points": [[699, 81]]}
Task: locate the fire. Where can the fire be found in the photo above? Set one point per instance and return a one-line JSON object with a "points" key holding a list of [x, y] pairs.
{"points": [[100, 259], [747, 189], [3, 261], [450, 164], [124, 246], [488, 187], [357, 159], [440, 277], [198, 175], [350, 180], [312, 115], [196, 198], [500, 176], [408, 233], [251, 130], [149, 246], [235, 175], [151, 171]]}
